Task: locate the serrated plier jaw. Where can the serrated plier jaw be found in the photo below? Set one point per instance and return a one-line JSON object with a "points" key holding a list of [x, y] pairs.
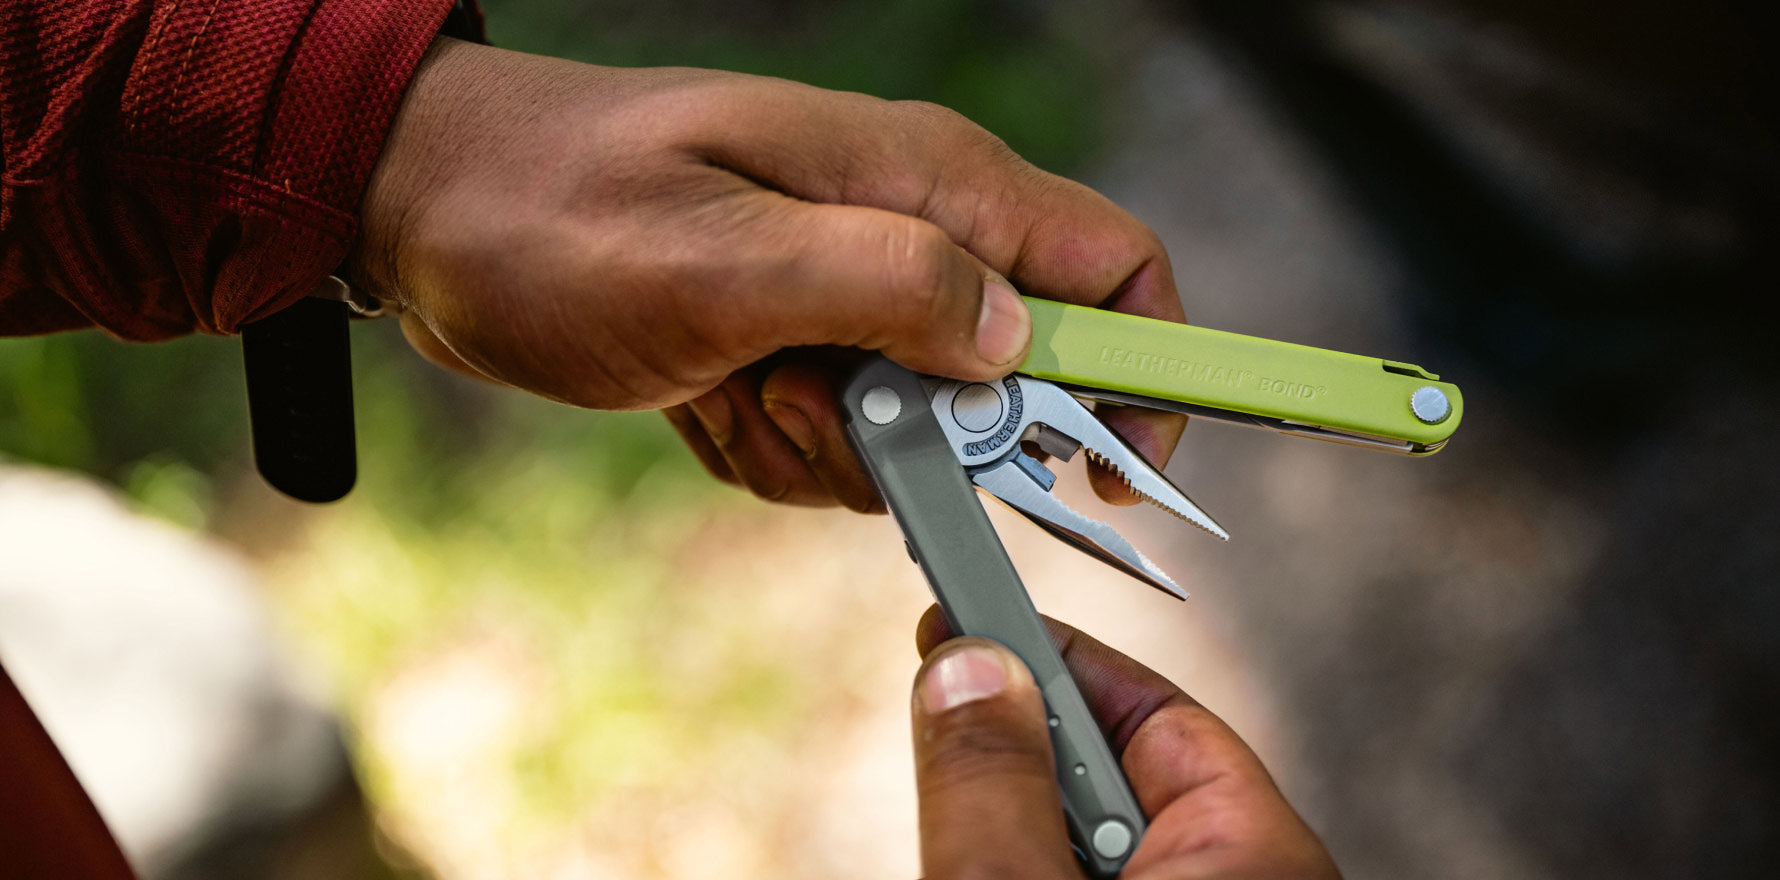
{"points": [[985, 424]]}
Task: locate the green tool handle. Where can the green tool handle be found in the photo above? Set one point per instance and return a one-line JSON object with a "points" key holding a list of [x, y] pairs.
{"points": [[952, 540], [1293, 383]]}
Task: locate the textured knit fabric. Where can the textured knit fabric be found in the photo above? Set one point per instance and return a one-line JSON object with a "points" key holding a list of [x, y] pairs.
{"points": [[181, 165]]}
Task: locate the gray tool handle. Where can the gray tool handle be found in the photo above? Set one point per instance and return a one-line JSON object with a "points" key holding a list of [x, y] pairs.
{"points": [[893, 429]]}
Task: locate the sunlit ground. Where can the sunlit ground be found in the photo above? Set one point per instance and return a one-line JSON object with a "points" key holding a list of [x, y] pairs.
{"points": [[647, 690]]}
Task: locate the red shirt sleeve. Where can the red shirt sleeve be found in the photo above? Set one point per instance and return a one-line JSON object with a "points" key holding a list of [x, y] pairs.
{"points": [[177, 165]]}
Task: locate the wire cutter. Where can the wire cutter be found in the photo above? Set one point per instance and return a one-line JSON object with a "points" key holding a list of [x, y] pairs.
{"points": [[927, 442]]}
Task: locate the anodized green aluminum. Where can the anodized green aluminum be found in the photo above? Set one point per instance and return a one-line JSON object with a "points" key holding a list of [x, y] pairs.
{"points": [[1265, 377]]}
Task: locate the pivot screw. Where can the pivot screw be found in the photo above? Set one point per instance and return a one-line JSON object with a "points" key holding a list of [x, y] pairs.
{"points": [[881, 405], [977, 408], [1430, 405], [1112, 839]]}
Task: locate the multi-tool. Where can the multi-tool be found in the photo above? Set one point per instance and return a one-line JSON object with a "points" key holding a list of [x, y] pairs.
{"points": [[927, 441]]}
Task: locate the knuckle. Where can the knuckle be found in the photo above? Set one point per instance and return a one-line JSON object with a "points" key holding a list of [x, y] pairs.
{"points": [[1148, 247], [761, 478], [934, 115], [1141, 242], [1132, 240], [942, 124], [942, 121]]}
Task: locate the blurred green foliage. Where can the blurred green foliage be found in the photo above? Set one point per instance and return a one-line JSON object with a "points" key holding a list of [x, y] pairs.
{"points": [[91, 403], [1008, 65], [157, 420], [167, 423]]}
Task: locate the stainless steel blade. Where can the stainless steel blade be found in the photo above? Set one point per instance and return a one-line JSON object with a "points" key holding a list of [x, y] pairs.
{"points": [[1053, 407], [1013, 485]]}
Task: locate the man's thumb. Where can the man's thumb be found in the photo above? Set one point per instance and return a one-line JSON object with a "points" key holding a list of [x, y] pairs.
{"points": [[983, 768], [880, 280]]}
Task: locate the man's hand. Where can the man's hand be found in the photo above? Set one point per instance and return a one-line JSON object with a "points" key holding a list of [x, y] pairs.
{"points": [[705, 242], [989, 802]]}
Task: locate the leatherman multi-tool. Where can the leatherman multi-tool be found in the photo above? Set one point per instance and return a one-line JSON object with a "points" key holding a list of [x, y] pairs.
{"points": [[926, 442]]}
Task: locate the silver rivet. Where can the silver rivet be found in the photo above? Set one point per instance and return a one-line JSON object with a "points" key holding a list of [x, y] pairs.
{"points": [[1430, 405], [881, 405], [976, 407], [1112, 839], [1055, 721], [1081, 769]]}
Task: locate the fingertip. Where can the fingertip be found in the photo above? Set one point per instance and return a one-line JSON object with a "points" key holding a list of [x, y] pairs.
{"points": [[694, 436], [1004, 327], [801, 399], [754, 446], [966, 671], [1154, 434], [716, 414], [796, 397], [931, 630], [791, 422], [1110, 487]]}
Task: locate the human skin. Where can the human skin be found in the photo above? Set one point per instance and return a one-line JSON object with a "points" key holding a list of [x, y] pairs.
{"points": [[989, 802], [722, 246]]}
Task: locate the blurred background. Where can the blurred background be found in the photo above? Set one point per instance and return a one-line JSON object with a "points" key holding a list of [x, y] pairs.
{"points": [[538, 642]]}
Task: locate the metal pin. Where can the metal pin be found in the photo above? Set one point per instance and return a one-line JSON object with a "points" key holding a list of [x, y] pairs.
{"points": [[1429, 404], [881, 405], [1112, 839]]}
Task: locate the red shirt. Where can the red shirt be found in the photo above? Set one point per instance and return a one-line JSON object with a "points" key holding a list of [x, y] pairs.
{"points": [[169, 166], [180, 165]]}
